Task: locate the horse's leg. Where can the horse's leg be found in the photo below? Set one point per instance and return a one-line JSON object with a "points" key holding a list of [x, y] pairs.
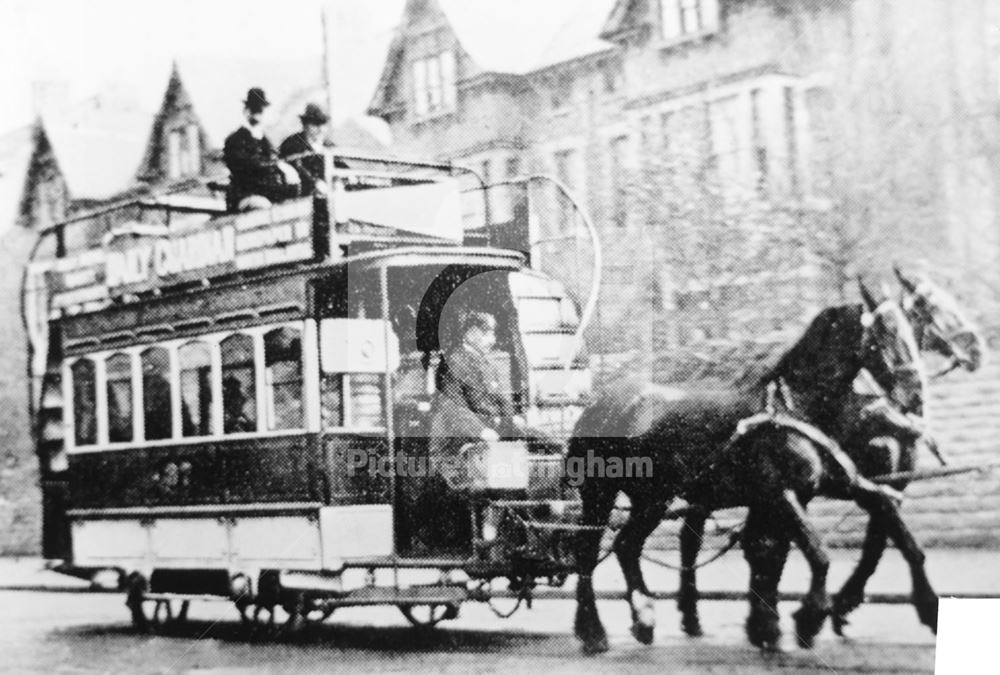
{"points": [[645, 516], [692, 531], [880, 505], [765, 551], [852, 593], [597, 499], [815, 607]]}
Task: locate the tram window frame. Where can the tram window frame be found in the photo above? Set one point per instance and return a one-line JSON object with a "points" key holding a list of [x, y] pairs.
{"points": [[205, 408], [293, 381], [250, 408], [116, 421], [92, 438], [99, 439], [150, 408]]}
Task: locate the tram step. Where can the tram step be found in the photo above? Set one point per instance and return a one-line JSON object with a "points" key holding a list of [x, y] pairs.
{"points": [[194, 597], [415, 595]]}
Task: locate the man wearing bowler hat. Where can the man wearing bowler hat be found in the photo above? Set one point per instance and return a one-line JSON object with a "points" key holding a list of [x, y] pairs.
{"points": [[304, 150], [256, 178]]}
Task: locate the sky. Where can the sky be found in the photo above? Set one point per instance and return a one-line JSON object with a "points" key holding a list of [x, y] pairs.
{"points": [[128, 45]]}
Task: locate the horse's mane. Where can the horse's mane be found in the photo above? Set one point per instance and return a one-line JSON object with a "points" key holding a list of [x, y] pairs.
{"points": [[716, 364], [740, 363]]}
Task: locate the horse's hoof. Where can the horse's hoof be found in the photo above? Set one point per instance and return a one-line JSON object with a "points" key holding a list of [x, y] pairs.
{"points": [[692, 627], [839, 622], [771, 647], [596, 646], [763, 633], [808, 623], [643, 633], [805, 641], [928, 613]]}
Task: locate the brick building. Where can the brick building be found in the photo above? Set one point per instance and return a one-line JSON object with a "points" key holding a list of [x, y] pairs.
{"points": [[735, 153], [743, 160]]}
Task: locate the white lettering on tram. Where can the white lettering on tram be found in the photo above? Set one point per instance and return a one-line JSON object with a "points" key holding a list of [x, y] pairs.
{"points": [[171, 256]]}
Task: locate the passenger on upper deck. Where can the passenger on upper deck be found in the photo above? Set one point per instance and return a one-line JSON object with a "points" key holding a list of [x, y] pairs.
{"points": [[256, 177], [304, 149]]}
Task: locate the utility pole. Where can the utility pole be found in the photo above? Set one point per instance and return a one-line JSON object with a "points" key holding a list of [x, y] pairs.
{"points": [[327, 70]]}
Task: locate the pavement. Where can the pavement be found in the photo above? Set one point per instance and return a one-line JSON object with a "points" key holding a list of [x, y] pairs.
{"points": [[963, 572]]}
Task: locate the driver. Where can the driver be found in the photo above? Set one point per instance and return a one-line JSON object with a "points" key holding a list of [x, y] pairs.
{"points": [[471, 406], [471, 382]]}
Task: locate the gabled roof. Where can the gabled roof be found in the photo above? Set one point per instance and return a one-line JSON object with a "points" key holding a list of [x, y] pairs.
{"points": [[519, 36], [514, 37], [99, 146], [175, 99], [16, 149], [626, 15]]}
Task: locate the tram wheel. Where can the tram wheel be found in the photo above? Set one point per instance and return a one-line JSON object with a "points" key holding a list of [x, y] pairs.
{"points": [[428, 616]]}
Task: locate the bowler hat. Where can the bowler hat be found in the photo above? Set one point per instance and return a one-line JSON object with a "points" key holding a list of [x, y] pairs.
{"points": [[314, 115], [256, 99]]}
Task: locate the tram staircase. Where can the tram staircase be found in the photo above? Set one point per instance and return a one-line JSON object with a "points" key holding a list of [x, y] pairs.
{"points": [[954, 511]]}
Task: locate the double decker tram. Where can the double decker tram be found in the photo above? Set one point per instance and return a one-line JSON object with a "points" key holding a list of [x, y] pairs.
{"points": [[239, 406]]}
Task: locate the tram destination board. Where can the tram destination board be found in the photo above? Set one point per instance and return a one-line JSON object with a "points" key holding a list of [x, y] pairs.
{"points": [[138, 259]]}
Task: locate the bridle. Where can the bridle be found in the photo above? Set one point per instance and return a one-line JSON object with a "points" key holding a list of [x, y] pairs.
{"points": [[930, 325], [869, 341]]}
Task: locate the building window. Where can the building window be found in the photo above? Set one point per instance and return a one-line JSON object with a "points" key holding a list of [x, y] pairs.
{"points": [[619, 181], [610, 76], [791, 125], [562, 91], [679, 18], [758, 143], [118, 370], [239, 390], [513, 166], [156, 395], [666, 132], [725, 142], [434, 88], [283, 378], [565, 164], [84, 402], [196, 389]]}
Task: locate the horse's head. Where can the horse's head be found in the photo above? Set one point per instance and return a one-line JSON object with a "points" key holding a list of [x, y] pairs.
{"points": [[889, 352], [940, 324]]}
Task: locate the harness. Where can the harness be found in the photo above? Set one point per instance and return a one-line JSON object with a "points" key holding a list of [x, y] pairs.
{"points": [[770, 418]]}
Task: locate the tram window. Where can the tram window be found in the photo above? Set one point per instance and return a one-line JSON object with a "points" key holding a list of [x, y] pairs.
{"points": [[196, 389], [156, 406], [283, 376], [332, 399], [239, 392], [366, 399], [119, 387], [84, 402]]}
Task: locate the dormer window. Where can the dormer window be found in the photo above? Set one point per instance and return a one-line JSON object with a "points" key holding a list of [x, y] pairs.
{"points": [[683, 18], [183, 152], [434, 84]]}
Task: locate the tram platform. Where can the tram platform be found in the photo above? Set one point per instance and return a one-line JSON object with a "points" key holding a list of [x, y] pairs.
{"points": [[953, 571]]}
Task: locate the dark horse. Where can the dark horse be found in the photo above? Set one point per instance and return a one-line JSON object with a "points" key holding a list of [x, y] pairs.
{"points": [[880, 441], [697, 452]]}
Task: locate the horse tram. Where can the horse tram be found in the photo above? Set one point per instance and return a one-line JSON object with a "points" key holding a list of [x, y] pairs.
{"points": [[243, 407], [237, 406]]}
